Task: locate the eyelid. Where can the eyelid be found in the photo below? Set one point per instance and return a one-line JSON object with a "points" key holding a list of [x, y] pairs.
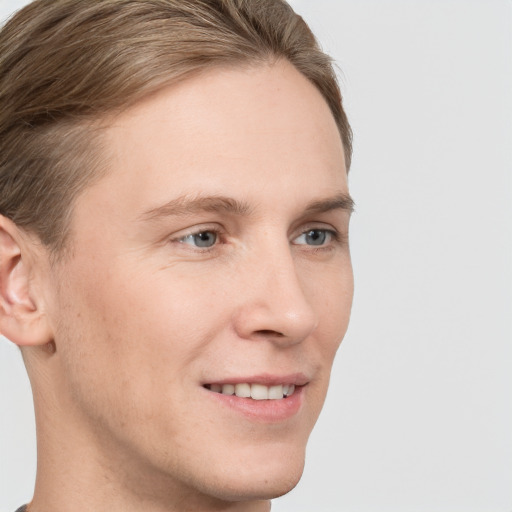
{"points": [[332, 234], [337, 237], [180, 236], [311, 226], [194, 230]]}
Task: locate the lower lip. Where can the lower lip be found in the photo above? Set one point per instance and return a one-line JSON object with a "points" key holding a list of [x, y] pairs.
{"points": [[266, 411]]}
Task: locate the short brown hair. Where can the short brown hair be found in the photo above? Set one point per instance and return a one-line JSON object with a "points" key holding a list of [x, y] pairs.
{"points": [[66, 63]]}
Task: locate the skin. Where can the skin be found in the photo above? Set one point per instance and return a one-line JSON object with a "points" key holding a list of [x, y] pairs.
{"points": [[140, 318]]}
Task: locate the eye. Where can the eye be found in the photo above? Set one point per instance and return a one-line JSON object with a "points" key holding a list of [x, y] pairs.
{"points": [[204, 239], [314, 237]]}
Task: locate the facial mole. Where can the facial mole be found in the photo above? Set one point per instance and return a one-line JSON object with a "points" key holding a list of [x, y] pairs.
{"points": [[50, 348]]}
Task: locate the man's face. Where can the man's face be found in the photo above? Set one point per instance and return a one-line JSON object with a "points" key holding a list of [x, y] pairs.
{"points": [[213, 255]]}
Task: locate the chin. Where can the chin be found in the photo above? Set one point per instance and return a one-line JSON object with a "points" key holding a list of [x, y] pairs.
{"points": [[260, 482]]}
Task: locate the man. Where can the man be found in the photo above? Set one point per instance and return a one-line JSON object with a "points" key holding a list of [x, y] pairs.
{"points": [[174, 259]]}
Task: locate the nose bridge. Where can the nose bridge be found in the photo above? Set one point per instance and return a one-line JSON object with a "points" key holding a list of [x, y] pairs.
{"points": [[275, 304]]}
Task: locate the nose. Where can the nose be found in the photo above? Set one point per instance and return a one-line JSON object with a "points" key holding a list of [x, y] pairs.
{"points": [[274, 305]]}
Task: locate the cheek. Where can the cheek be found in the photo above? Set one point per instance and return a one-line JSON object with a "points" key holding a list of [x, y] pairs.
{"points": [[332, 299], [129, 326], [121, 353], [332, 296]]}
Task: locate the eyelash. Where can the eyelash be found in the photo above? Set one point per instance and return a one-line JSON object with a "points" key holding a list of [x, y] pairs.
{"points": [[335, 238], [217, 232]]}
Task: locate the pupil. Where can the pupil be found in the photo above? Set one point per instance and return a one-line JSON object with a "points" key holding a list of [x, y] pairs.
{"points": [[316, 237], [205, 239]]}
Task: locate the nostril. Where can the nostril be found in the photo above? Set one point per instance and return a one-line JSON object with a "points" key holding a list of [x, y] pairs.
{"points": [[269, 332]]}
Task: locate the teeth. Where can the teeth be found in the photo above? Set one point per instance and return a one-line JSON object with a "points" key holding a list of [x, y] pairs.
{"points": [[243, 390], [275, 392], [254, 391], [228, 389], [259, 392]]}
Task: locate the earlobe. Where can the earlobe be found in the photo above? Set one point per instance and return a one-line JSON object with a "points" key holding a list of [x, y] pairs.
{"points": [[22, 318]]}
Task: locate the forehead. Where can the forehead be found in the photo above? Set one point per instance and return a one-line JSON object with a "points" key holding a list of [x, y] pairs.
{"points": [[226, 132]]}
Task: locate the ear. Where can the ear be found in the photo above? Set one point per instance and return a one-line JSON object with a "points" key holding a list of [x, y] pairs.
{"points": [[22, 318]]}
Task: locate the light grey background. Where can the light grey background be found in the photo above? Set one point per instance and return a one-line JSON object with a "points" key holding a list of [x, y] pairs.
{"points": [[419, 414]]}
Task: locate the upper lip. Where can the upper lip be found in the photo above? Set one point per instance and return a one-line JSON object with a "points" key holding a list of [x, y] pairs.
{"points": [[267, 379]]}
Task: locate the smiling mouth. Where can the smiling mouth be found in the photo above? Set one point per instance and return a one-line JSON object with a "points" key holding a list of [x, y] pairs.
{"points": [[254, 391]]}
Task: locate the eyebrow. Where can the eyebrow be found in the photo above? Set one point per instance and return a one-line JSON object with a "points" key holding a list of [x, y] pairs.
{"points": [[185, 205], [340, 201]]}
